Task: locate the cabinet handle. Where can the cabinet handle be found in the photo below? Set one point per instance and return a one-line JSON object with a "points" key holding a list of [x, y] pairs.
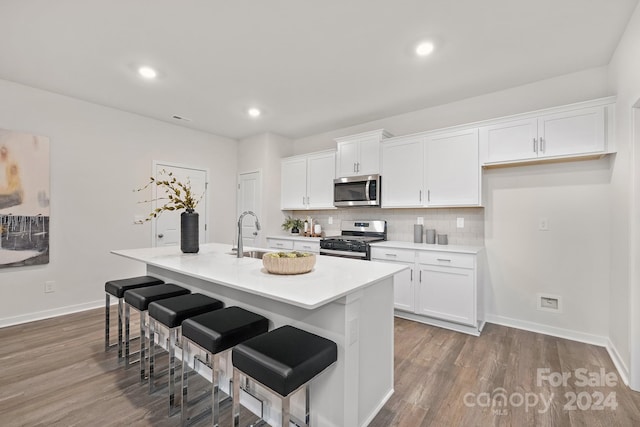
{"points": [[420, 276], [420, 196], [307, 247], [542, 144], [358, 166], [354, 167], [443, 260], [308, 202], [428, 195], [411, 274], [535, 145], [391, 255]]}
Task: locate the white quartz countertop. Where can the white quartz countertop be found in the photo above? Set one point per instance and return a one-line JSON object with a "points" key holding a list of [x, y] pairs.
{"points": [[426, 247], [294, 237], [331, 278]]}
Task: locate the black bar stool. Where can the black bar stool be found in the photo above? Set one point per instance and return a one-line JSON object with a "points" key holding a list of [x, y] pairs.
{"points": [[215, 334], [117, 289], [170, 312], [139, 299], [284, 360]]}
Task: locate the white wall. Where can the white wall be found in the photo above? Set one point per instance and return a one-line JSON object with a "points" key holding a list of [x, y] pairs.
{"points": [[581, 86], [625, 81], [98, 156], [263, 152], [572, 258]]}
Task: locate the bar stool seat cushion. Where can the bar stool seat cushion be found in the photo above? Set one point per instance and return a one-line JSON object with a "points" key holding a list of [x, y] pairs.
{"points": [[172, 311], [220, 330], [285, 358], [142, 297], [118, 287]]}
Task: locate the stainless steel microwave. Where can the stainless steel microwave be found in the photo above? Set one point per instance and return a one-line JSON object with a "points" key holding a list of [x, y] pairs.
{"points": [[357, 191]]}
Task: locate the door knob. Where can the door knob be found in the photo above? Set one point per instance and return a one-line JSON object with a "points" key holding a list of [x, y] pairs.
{"points": [[160, 236]]}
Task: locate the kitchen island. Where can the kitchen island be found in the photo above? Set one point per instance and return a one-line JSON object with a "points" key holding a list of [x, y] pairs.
{"points": [[347, 301]]}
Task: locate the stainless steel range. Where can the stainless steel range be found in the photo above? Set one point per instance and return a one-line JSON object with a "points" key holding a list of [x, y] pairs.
{"points": [[354, 240]]}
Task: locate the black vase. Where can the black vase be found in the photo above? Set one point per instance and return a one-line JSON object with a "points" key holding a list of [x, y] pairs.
{"points": [[189, 232]]}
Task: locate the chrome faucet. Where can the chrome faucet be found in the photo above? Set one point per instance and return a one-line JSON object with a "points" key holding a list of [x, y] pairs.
{"points": [[240, 249]]}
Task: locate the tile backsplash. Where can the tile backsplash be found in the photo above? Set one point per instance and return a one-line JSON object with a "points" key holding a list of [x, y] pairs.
{"points": [[400, 222]]}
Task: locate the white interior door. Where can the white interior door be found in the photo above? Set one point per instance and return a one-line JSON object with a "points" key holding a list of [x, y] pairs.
{"points": [[166, 229], [249, 200]]}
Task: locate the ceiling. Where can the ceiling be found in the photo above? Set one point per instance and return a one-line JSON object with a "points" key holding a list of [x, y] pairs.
{"points": [[310, 66]]}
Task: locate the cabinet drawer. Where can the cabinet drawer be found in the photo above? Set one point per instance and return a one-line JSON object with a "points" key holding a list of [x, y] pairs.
{"points": [[306, 246], [391, 254], [280, 244], [447, 259]]}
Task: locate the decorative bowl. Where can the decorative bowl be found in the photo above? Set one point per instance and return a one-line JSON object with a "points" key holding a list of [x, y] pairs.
{"points": [[288, 262]]}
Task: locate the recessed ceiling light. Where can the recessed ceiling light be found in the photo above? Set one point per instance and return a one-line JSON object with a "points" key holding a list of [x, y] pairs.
{"points": [[147, 72], [424, 49], [253, 112]]}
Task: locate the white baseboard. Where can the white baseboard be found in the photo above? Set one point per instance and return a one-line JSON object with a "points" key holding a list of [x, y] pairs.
{"points": [[548, 330], [375, 411], [47, 314], [618, 362]]}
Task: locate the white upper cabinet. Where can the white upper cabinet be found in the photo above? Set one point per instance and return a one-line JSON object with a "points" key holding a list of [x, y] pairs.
{"points": [[307, 181], [293, 184], [452, 169], [431, 170], [359, 154], [513, 140], [320, 174], [564, 132], [402, 173], [571, 132]]}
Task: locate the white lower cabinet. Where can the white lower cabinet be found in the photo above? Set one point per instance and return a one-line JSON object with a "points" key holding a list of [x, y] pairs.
{"points": [[294, 243], [440, 288], [403, 282]]}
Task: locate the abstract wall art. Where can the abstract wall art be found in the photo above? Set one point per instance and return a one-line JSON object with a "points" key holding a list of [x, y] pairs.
{"points": [[24, 199]]}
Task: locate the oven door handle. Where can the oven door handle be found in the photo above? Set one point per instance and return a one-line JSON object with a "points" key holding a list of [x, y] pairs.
{"points": [[366, 190], [343, 253]]}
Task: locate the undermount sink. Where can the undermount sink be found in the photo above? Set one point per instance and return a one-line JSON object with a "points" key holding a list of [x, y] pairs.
{"points": [[252, 254]]}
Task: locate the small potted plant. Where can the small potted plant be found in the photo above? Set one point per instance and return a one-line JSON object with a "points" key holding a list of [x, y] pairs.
{"points": [[178, 195], [292, 224]]}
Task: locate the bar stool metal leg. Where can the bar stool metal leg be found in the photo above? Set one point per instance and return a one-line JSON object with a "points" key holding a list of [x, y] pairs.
{"points": [[172, 370], [215, 398], [143, 345], [127, 336], [236, 398], [152, 353], [120, 321], [285, 411], [107, 304], [186, 355]]}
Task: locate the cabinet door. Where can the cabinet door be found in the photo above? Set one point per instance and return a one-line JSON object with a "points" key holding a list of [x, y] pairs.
{"points": [[347, 158], [452, 169], [280, 244], [310, 246], [513, 140], [293, 184], [447, 293], [320, 174], [572, 132], [368, 162], [403, 287], [402, 174]]}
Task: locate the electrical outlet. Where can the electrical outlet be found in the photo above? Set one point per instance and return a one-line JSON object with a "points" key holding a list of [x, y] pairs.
{"points": [[547, 302], [420, 220], [49, 286], [330, 220], [460, 223], [543, 224]]}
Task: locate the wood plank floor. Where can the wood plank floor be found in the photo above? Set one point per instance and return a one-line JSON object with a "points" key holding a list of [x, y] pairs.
{"points": [[55, 373]]}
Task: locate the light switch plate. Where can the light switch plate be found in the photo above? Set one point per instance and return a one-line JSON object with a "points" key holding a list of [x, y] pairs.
{"points": [[420, 220], [460, 223], [543, 224]]}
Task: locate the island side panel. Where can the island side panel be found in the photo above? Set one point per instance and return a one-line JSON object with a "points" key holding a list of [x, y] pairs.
{"points": [[351, 391], [376, 349]]}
